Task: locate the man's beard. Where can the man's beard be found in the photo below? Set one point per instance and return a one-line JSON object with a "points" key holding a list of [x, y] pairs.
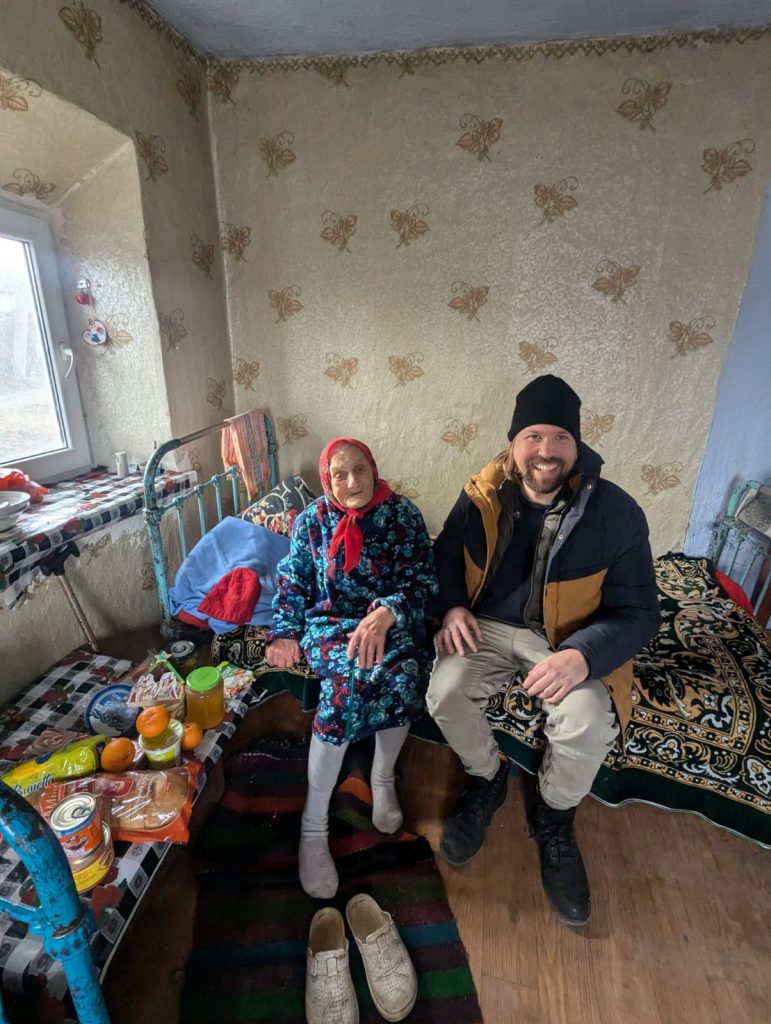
{"points": [[556, 482]]}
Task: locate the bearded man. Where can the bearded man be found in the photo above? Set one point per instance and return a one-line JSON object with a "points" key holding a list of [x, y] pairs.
{"points": [[546, 569]]}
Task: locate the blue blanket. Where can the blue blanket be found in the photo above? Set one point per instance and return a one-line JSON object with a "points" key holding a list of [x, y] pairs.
{"points": [[233, 543]]}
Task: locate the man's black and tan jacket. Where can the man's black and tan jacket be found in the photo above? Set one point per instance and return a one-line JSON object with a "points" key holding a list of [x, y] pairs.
{"points": [[593, 585]]}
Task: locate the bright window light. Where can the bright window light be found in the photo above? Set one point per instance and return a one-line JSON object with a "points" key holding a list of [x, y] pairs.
{"points": [[42, 427]]}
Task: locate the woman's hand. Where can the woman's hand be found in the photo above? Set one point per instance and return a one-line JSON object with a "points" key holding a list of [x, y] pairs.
{"points": [[282, 653], [369, 637]]}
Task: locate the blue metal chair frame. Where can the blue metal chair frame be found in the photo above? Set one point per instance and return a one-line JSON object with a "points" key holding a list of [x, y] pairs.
{"points": [[742, 538], [154, 512], [62, 919]]}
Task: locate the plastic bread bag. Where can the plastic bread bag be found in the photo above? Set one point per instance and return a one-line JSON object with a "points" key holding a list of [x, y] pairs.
{"points": [[69, 762], [139, 807]]}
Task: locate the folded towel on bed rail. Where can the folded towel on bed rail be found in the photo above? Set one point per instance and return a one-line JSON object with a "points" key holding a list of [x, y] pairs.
{"points": [[245, 445], [232, 544]]}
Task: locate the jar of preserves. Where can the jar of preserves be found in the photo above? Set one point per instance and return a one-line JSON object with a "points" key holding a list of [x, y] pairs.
{"points": [[205, 697]]}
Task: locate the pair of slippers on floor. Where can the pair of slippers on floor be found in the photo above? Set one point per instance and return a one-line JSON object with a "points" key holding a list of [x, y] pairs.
{"points": [[391, 977]]}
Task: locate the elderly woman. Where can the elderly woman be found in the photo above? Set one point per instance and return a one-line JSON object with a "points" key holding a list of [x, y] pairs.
{"points": [[352, 594]]}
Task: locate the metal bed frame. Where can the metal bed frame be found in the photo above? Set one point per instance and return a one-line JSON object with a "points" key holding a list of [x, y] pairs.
{"points": [[732, 537], [154, 511]]}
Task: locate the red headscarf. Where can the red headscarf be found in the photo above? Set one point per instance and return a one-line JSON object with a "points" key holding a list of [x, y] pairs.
{"points": [[348, 531]]}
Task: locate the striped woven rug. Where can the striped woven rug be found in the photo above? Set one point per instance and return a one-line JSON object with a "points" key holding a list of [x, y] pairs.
{"points": [[252, 918]]}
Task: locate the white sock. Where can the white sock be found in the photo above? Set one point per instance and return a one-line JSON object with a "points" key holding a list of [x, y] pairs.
{"points": [[318, 874], [386, 812]]}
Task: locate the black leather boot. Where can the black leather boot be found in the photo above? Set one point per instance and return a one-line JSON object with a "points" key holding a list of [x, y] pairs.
{"points": [[562, 868], [464, 830]]}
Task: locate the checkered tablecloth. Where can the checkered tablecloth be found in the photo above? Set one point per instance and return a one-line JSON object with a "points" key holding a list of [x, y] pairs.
{"points": [[58, 701], [71, 510]]}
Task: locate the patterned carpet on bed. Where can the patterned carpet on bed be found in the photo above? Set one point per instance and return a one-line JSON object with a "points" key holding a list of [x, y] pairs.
{"points": [[252, 918]]}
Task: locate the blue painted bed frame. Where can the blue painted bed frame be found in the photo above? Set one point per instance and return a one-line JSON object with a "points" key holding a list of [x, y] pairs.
{"points": [[154, 512]]}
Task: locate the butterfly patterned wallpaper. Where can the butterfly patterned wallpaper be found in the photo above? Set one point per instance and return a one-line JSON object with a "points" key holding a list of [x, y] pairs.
{"points": [[420, 235]]}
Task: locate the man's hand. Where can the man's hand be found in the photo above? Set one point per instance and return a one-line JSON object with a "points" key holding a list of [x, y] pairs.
{"points": [[282, 653], [459, 626], [369, 637], [555, 676]]}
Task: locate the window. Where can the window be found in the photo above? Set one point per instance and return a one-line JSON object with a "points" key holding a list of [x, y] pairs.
{"points": [[42, 429]]}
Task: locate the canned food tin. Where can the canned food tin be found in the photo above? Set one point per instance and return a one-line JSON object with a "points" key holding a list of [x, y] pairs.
{"points": [[183, 656], [77, 825], [90, 870]]}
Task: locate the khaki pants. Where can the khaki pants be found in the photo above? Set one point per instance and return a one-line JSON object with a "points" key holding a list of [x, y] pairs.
{"points": [[580, 729]]}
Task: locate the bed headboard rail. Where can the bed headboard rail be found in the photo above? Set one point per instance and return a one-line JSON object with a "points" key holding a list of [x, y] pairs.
{"points": [[154, 511]]}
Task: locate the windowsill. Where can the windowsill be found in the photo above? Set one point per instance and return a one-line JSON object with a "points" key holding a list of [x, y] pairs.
{"points": [[72, 510]]}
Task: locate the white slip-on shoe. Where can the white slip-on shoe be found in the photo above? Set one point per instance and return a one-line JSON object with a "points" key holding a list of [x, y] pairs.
{"points": [[391, 976], [329, 994]]}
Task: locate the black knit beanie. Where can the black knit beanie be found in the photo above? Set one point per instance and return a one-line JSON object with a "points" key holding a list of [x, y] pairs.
{"points": [[547, 399]]}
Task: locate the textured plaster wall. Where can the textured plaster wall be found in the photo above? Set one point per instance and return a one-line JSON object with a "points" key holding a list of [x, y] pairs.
{"points": [[141, 86], [739, 444], [102, 240], [428, 235]]}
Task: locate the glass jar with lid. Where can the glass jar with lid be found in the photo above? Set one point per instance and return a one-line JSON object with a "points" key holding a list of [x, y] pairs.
{"points": [[205, 697]]}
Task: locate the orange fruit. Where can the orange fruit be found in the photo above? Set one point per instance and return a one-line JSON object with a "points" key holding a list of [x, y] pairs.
{"points": [[192, 735], [118, 755], [153, 721]]}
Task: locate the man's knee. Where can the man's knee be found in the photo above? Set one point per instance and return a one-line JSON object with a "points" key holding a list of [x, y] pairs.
{"points": [[445, 687], [586, 711]]}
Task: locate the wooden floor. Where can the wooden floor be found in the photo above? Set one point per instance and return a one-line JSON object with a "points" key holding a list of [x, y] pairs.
{"points": [[680, 931]]}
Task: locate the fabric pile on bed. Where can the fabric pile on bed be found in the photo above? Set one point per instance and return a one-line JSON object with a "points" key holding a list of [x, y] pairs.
{"points": [[229, 578]]}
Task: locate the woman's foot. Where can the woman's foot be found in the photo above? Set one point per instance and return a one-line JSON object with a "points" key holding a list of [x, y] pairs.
{"points": [[318, 874], [386, 813]]}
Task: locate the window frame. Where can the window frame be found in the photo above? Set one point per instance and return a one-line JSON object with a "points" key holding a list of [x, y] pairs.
{"points": [[33, 227]]}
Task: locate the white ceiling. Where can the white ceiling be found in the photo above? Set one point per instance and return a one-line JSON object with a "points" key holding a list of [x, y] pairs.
{"points": [[255, 28]]}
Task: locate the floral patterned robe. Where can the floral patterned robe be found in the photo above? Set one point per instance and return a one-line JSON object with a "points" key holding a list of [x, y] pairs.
{"points": [[319, 609]]}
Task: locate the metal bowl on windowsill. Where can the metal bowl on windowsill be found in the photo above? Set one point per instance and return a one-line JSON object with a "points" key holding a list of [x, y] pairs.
{"points": [[12, 504]]}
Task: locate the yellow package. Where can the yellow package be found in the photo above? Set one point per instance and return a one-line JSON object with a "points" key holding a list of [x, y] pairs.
{"points": [[71, 762]]}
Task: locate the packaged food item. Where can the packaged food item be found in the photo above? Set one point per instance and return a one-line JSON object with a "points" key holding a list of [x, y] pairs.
{"points": [[77, 825], [161, 684], [205, 697], [89, 870], [183, 656], [165, 749], [147, 806], [235, 679], [70, 762], [45, 742]]}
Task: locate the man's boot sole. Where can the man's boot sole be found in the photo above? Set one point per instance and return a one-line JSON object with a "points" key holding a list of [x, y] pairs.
{"points": [[460, 863], [573, 924]]}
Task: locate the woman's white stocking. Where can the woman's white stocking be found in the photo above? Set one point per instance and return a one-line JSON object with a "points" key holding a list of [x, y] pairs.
{"points": [[318, 874], [386, 812]]}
